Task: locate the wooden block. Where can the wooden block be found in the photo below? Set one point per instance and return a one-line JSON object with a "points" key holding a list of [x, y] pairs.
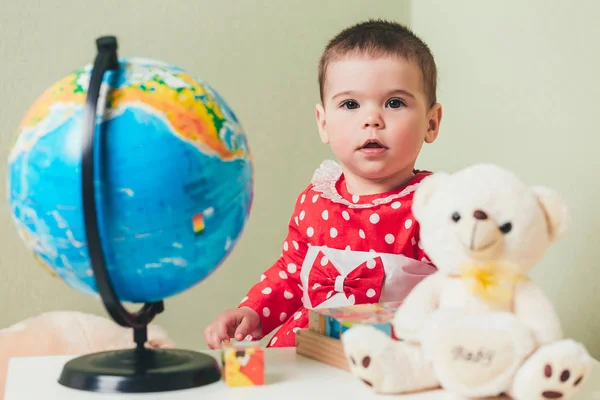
{"points": [[315, 355], [321, 348], [243, 365]]}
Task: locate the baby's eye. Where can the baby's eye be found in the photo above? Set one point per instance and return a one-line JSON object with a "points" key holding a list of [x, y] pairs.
{"points": [[395, 103], [350, 104]]}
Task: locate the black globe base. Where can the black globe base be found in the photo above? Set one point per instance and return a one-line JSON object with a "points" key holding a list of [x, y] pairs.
{"points": [[140, 371]]}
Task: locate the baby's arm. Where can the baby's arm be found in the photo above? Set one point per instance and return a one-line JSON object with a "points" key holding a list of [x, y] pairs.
{"points": [[279, 293], [534, 309]]}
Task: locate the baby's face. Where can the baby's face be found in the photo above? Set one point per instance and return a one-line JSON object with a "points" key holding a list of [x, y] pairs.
{"points": [[375, 115]]}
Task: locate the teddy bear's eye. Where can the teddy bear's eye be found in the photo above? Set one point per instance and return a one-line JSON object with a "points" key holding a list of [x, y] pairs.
{"points": [[507, 227], [456, 217]]}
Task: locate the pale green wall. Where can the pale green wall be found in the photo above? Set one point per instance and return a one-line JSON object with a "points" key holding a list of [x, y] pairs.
{"points": [[260, 55], [520, 83], [515, 77]]}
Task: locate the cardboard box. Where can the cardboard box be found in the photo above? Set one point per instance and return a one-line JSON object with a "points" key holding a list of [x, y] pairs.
{"points": [[243, 365]]}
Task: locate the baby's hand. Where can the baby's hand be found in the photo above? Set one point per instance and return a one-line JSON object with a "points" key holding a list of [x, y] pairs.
{"points": [[237, 323]]}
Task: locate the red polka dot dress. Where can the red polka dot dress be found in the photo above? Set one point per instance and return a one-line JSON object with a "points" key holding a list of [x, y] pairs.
{"points": [[341, 249]]}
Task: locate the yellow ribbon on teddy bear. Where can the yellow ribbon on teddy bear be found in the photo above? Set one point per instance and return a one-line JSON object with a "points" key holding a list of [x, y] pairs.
{"points": [[493, 282]]}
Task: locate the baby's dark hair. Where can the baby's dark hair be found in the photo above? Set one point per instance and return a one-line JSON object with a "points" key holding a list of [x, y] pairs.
{"points": [[380, 38]]}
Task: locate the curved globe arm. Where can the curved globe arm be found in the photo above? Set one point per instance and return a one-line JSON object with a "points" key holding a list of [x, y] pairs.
{"points": [[106, 59]]}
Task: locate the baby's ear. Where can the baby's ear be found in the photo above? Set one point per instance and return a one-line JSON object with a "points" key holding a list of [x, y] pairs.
{"points": [[555, 210], [425, 191]]}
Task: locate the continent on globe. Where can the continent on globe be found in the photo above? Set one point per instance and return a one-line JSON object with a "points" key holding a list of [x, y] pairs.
{"points": [[174, 179]]}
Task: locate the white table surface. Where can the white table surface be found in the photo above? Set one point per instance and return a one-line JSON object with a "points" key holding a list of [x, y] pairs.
{"points": [[288, 376]]}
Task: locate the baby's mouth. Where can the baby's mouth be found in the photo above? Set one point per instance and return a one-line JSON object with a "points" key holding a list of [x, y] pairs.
{"points": [[372, 144]]}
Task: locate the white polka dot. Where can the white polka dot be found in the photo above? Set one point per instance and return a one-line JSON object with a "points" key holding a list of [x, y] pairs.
{"points": [[266, 311], [345, 215], [355, 198], [371, 293], [315, 198], [408, 223], [248, 338], [361, 233], [282, 316], [302, 198], [296, 221], [316, 286], [244, 299], [285, 246], [300, 287], [374, 218], [371, 264], [329, 294], [302, 214], [371, 251], [324, 261], [297, 315], [325, 215], [266, 290], [295, 330], [389, 238], [333, 232], [413, 241], [263, 277], [273, 340], [351, 299], [348, 248], [292, 268], [283, 275], [310, 231], [288, 295], [396, 205], [295, 244]]}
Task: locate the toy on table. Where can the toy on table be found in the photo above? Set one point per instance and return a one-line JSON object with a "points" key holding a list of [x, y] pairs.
{"points": [[321, 341], [68, 333], [243, 364], [333, 322], [479, 326]]}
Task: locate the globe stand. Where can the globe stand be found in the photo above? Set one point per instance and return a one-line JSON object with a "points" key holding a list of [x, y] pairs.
{"points": [[139, 369]]}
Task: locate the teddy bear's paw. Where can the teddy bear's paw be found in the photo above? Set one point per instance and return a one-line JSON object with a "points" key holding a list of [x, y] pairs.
{"points": [[384, 364], [363, 346], [555, 371], [478, 355]]}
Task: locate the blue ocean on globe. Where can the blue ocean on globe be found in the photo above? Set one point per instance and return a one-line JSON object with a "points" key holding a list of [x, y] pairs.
{"points": [[174, 180]]}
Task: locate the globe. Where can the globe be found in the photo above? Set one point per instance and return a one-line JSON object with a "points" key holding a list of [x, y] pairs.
{"points": [[173, 180]]}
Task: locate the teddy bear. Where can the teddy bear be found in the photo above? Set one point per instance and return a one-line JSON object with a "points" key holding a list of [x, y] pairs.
{"points": [[69, 333], [479, 326]]}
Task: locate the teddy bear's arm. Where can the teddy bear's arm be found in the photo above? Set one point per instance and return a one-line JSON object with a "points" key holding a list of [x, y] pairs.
{"points": [[535, 310], [418, 304]]}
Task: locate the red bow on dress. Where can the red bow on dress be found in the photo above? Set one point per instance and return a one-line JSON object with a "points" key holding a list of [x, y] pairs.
{"points": [[362, 285]]}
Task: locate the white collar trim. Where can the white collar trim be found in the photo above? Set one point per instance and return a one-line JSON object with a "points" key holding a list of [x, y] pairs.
{"points": [[325, 178]]}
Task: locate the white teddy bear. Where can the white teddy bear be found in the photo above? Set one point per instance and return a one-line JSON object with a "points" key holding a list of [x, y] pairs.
{"points": [[478, 327]]}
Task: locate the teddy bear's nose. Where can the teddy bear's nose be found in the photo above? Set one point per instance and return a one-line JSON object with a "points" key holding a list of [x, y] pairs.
{"points": [[478, 214]]}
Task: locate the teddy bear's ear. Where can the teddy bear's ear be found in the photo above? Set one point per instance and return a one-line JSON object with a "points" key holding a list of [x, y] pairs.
{"points": [[424, 191], [555, 209]]}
